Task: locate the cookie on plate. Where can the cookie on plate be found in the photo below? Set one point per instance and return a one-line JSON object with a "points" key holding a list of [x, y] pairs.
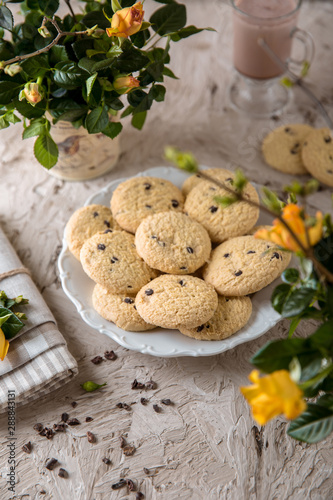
{"points": [[282, 148], [219, 173], [84, 223], [172, 243], [317, 155], [222, 223], [120, 309], [231, 315], [138, 197], [171, 301], [111, 260], [244, 265]]}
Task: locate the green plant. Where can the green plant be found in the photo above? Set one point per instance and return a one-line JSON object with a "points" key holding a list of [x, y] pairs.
{"points": [[77, 68]]}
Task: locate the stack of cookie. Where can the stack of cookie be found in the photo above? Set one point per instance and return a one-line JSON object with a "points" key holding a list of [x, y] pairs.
{"points": [[300, 149], [152, 261]]}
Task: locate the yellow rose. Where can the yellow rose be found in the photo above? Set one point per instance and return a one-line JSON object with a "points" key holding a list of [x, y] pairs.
{"points": [[123, 84], [126, 22], [272, 395], [293, 215], [32, 93], [4, 345]]}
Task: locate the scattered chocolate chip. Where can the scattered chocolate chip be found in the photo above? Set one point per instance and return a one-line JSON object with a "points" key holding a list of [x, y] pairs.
{"points": [[114, 259], [73, 421], [198, 175], [107, 223], [110, 355], [64, 417], [129, 450], [212, 188], [42, 492], [238, 273], [63, 473], [149, 291], [175, 203], [200, 328], [207, 326], [140, 495], [147, 186], [275, 256], [295, 149], [89, 419], [190, 250], [329, 171], [182, 268], [129, 286], [74, 404], [97, 360], [161, 243], [27, 447], [250, 251], [137, 385], [107, 231], [130, 485], [157, 408], [151, 385], [121, 483], [213, 209], [230, 180], [100, 246], [59, 427], [287, 129], [181, 282], [95, 214], [144, 401], [47, 432], [146, 470], [226, 255], [124, 406], [327, 139], [91, 437], [166, 402], [38, 427], [227, 300], [134, 307], [106, 460], [128, 300], [148, 206], [122, 442], [50, 465]]}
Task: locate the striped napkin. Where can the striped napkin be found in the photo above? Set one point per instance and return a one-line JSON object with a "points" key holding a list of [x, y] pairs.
{"points": [[38, 360]]}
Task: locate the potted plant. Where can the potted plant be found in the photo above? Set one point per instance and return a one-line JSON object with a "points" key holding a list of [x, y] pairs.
{"points": [[65, 77]]}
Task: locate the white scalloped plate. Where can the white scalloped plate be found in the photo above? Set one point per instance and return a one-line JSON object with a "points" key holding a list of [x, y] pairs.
{"points": [[159, 342]]}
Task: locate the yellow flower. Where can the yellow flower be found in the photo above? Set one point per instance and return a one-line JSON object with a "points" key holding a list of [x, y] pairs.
{"points": [[4, 345], [126, 22], [272, 395], [293, 215], [124, 84]]}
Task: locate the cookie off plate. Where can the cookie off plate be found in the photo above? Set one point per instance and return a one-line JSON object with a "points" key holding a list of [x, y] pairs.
{"points": [[158, 342]]}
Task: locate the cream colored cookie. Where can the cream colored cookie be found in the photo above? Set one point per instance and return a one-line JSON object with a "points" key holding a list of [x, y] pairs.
{"points": [[317, 155], [282, 148], [84, 223], [171, 301], [172, 243], [138, 197], [120, 309], [111, 260], [222, 223], [231, 315], [219, 173], [244, 265]]}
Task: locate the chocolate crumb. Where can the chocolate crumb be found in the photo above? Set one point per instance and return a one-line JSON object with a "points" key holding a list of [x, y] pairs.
{"points": [[139, 496], [97, 360], [130, 485], [144, 401], [38, 427], [100, 246], [74, 404], [47, 432], [91, 437], [107, 223], [59, 427], [250, 251], [27, 447], [89, 419], [238, 273], [167, 402], [327, 139], [226, 255], [106, 460], [122, 442], [149, 291], [110, 355], [64, 417], [124, 406], [95, 214], [62, 473], [121, 483], [42, 492], [287, 129], [148, 206], [151, 385], [129, 450], [73, 421], [157, 408], [50, 465], [146, 470], [200, 328], [275, 256], [213, 209], [137, 385]]}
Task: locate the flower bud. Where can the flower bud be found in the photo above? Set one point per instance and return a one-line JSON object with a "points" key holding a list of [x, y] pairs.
{"points": [[126, 22], [4, 345], [32, 92], [123, 84], [12, 69], [44, 32], [91, 386]]}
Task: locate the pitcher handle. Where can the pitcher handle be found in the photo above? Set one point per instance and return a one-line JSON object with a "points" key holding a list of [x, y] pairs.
{"points": [[309, 48]]}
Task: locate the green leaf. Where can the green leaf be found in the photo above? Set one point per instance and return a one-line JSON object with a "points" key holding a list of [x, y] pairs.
{"points": [[158, 93], [225, 201], [81, 46], [95, 17], [4, 318], [322, 338], [36, 66], [112, 129], [48, 7], [279, 296], [105, 63], [290, 275], [139, 119], [36, 127], [46, 151], [278, 354], [12, 325], [97, 120], [169, 73], [297, 301], [30, 112], [4, 123], [131, 60], [6, 18], [293, 325], [326, 401], [8, 90], [115, 5], [127, 111], [186, 32], [90, 83], [156, 70], [69, 75], [87, 64], [314, 425], [168, 19], [271, 201]]}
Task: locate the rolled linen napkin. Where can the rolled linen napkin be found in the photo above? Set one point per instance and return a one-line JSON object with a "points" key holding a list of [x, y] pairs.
{"points": [[38, 360]]}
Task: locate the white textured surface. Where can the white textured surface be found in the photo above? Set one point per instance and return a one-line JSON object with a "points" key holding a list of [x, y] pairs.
{"points": [[206, 444]]}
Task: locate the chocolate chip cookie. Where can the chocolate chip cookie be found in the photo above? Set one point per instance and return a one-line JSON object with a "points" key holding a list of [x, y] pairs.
{"points": [[317, 155]]}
